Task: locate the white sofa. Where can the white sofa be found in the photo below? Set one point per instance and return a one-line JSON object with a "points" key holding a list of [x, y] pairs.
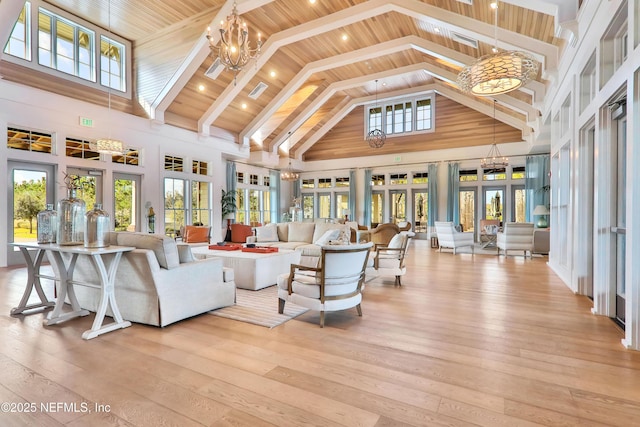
{"points": [[160, 282], [449, 237], [516, 236], [304, 237]]}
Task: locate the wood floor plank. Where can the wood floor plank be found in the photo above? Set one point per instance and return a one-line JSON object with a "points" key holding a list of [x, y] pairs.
{"points": [[466, 340]]}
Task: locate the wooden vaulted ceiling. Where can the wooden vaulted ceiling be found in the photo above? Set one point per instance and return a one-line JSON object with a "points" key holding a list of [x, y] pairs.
{"points": [[314, 100]]}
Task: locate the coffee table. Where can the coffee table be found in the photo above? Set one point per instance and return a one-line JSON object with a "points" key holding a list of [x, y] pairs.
{"points": [[252, 270]]}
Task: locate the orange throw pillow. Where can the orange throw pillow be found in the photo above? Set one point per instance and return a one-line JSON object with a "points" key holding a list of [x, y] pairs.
{"points": [[195, 234], [240, 232]]}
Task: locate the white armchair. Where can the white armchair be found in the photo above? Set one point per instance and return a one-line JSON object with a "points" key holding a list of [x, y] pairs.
{"points": [[517, 236], [335, 285], [389, 260], [448, 237]]}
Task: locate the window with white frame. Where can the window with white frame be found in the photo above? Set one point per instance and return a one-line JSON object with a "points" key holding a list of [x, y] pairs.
{"points": [[130, 156], [29, 140], [402, 117], [80, 149], [253, 199], [19, 44], [69, 45]]}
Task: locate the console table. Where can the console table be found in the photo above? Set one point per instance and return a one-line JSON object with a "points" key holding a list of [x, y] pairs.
{"points": [[64, 284]]}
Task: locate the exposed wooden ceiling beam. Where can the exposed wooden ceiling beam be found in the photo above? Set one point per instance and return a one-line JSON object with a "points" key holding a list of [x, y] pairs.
{"points": [[375, 51], [546, 53], [194, 59]]}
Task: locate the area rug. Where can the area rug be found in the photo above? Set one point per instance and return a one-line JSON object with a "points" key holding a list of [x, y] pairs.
{"points": [[260, 308]]}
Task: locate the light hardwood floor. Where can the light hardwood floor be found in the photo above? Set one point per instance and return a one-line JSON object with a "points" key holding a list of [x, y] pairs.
{"points": [[467, 340]]}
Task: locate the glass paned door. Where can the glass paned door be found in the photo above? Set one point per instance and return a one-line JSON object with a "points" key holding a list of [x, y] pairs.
{"points": [[33, 186], [126, 201], [494, 203], [307, 207], [468, 209], [90, 182], [324, 205], [620, 229], [398, 206], [342, 204], [377, 208], [518, 200], [420, 210], [174, 205]]}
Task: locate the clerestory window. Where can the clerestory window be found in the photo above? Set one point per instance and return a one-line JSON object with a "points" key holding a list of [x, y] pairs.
{"points": [[401, 117], [70, 46]]}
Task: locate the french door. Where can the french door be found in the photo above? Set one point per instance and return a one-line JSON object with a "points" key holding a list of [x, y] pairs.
{"points": [[32, 187], [398, 208], [126, 202], [468, 208], [619, 229]]}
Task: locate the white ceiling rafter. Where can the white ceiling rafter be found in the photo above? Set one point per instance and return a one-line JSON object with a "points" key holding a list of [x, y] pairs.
{"points": [[343, 85], [402, 43], [441, 88], [370, 52], [546, 53], [194, 59]]}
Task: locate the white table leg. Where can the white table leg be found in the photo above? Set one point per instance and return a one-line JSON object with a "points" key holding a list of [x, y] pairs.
{"points": [[107, 281], [33, 281], [65, 287]]}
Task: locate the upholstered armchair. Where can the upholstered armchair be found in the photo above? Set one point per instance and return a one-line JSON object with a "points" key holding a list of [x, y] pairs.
{"points": [[335, 285], [383, 233], [389, 260], [516, 236], [448, 237]]}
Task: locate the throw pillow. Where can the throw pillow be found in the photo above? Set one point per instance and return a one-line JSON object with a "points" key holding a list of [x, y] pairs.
{"points": [[196, 234], [240, 232], [396, 241], [268, 233], [327, 237]]}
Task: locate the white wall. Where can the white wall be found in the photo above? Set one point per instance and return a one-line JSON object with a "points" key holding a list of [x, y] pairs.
{"points": [[33, 109]]}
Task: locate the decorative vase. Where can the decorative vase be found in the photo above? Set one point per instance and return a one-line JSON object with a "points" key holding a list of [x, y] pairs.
{"points": [[47, 225], [71, 220], [98, 224]]}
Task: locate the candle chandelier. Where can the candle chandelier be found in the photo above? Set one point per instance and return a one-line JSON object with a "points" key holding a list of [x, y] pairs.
{"points": [[234, 51], [376, 137], [499, 72], [494, 159]]}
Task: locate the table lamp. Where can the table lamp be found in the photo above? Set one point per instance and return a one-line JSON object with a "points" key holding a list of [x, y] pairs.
{"points": [[541, 211]]}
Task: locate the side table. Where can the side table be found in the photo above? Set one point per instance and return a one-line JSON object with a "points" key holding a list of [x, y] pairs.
{"points": [[65, 283]]}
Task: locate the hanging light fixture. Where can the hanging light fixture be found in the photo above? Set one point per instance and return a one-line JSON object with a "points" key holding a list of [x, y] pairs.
{"points": [[499, 72], [234, 51], [494, 159], [376, 137], [288, 174], [108, 145]]}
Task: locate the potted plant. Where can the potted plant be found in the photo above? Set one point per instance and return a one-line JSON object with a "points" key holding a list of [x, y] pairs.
{"points": [[228, 205]]}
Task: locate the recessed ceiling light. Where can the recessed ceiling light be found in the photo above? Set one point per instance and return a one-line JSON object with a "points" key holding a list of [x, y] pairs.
{"points": [[494, 5], [312, 1], [244, 105], [201, 88], [272, 74], [345, 37], [436, 29]]}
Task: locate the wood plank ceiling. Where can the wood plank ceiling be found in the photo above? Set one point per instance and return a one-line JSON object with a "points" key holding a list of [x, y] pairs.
{"points": [[312, 73]]}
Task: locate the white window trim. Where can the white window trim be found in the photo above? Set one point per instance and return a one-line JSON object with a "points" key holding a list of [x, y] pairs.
{"points": [[33, 63], [391, 101]]}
